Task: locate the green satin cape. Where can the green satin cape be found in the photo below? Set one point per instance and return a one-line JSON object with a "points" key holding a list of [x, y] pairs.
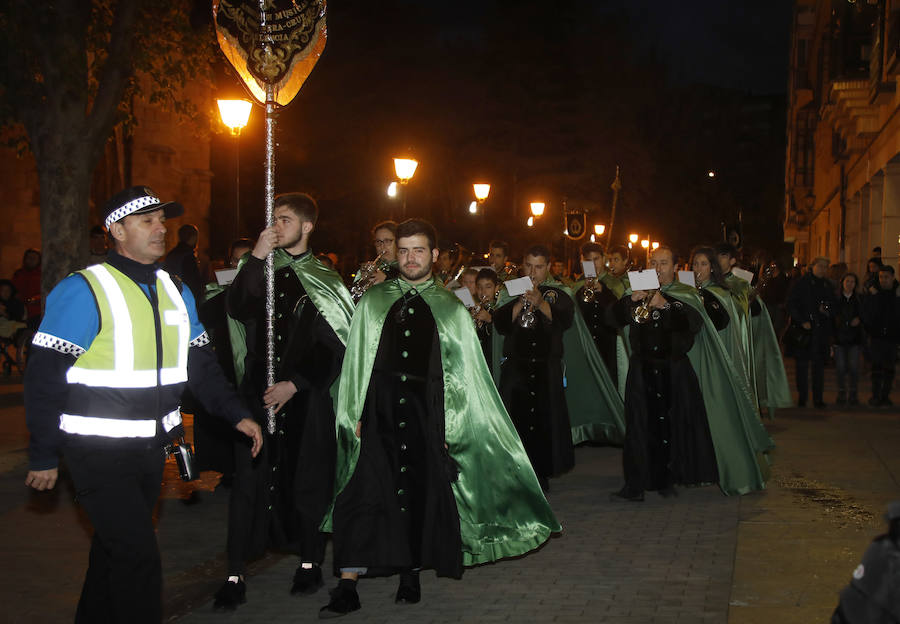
{"points": [[623, 348], [739, 439], [325, 289], [502, 510], [736, 338], [596, 409], [771, 379]]}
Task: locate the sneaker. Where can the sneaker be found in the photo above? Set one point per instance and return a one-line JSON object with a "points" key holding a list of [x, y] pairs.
{"points": [[231, 595], [344, 600], [307, 580]]}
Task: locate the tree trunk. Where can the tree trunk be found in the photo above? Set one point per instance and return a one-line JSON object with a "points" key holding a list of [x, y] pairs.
{"points": [[65, 185]]}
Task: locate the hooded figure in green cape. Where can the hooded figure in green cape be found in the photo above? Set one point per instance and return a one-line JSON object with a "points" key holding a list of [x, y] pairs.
{"points": [[279, 500], [430, 470]]}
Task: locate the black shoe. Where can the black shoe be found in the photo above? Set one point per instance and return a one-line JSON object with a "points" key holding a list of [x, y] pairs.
{"points": [[307, 580], [668, 492], [874, 402], [886, 402], [230, 596], [820, 404], [409, 591], [841, 400], [344, 600], [801, 402], [626, 494], [853, 401]]}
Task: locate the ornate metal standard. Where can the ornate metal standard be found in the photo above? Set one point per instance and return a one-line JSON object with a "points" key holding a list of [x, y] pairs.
{"points": [[273, 60]]}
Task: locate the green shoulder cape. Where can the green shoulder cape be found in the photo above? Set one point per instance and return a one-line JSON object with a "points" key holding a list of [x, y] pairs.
{"points": [[502, 510], [325, 289], [596, 409], [740, 440], [771, 379], [623, 348], [736, 338]]}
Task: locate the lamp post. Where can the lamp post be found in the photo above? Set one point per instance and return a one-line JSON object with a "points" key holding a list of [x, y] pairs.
{"points": [[481, 190], [235, 114], [405, 168]]}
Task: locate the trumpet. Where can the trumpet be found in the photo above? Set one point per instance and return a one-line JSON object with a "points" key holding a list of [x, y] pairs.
{"points": [[589, 294], [484, 304], [365, 278], [527, 317], [641, 313]]}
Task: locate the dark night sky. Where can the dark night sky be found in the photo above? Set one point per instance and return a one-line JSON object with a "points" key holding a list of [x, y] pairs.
{"points": [[541, 99]]}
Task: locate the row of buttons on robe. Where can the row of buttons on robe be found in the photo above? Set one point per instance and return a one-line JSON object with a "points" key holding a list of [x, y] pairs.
{"points": [[401, 400]]}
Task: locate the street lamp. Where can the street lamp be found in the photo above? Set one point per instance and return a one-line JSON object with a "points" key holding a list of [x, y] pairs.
{"points": [[473, 207], [654, 245], [530, 221], [633, 238], [599, 229], [392, 190], [481, 191], [235, 114], [405, 169], [537, 208]]}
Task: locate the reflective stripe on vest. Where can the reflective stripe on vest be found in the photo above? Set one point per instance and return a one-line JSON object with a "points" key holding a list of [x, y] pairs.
{"points": [[116, 427], [132, 364]]}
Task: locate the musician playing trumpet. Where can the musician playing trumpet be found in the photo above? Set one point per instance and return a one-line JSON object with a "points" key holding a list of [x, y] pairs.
{"points": [[531, 379], [594, 297], [487, 286], [667, 439]]}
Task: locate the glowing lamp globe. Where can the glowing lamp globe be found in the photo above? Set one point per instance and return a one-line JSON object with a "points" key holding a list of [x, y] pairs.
{"points": [[405, 168], [234, 113], [537, 208], [481, 191]]}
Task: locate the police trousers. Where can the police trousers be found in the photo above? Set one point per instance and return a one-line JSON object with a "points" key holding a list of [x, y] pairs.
{"points": [[118, 486]]}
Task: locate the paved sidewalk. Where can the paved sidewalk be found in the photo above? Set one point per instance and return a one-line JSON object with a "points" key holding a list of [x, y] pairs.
{"points": [[776, 556]]}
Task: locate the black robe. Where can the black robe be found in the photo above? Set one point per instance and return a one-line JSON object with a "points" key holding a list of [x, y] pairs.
{"points": [[595, 316], [398, 510], [279, 499], [667, 439], [213, 437], [486, 338], [531, 382]]}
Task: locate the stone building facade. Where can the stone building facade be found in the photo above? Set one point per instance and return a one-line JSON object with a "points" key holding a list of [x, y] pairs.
{"points": [[842, 174], [170, 155]]}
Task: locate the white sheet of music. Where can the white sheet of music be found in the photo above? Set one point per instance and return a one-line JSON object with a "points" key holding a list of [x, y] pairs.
{"points": [[465, 296], [589, 269], [643, 280], [687, 277], [744, 274], [518, 286], [225, 276]]}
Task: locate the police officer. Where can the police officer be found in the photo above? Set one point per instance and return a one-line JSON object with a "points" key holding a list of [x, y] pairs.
{"points": [[118, 343]]}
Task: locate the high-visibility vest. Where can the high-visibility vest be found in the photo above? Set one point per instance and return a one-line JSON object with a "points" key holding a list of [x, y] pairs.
{"points": [[132, 375]]}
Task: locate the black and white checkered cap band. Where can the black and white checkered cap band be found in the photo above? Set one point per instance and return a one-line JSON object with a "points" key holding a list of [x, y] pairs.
{"points": [[133, 206]]}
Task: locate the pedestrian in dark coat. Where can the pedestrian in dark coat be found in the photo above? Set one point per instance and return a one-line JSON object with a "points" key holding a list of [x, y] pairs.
{"points": [[881, 317], [811, 306]]}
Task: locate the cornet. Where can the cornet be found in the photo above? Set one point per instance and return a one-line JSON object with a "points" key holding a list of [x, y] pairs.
{"points": [[527, 317], [365, 278], [589, 293], [641, 313]]}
